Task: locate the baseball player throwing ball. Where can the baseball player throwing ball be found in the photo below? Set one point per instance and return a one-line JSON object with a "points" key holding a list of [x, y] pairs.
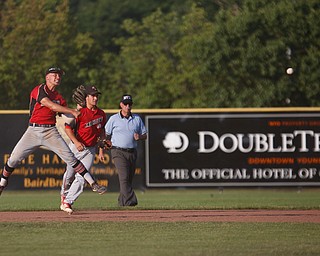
{"points": [[85, 133], [45, 103]]}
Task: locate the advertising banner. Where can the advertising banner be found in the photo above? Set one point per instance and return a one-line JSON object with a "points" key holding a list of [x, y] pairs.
{"points": [[233, 149], [192, 149], [43, 169]]}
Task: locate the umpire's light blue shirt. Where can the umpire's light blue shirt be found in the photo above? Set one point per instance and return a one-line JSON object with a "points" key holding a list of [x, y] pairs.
{"points": [[122, 129]]}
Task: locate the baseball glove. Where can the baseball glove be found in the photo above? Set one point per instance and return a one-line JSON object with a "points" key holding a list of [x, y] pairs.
{"points": [[105, 144], [79, 96]]}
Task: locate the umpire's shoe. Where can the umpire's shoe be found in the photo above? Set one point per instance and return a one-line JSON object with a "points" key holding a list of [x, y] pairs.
{"points": [[99, 189]]}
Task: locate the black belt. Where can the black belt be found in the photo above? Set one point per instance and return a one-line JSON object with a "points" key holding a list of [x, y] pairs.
{"points": [[130, 150], [41, 125]]}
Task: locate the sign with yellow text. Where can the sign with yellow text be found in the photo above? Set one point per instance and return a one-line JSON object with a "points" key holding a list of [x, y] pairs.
{"points": [[43, 169]]}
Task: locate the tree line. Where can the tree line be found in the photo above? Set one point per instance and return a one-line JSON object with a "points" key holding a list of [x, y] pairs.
{"points": [[167, 54]]}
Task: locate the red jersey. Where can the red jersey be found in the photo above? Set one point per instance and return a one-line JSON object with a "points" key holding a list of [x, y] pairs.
{"points": [[89, 125], [40, 114]]}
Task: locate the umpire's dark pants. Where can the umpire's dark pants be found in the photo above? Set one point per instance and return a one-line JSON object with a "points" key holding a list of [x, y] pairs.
{"points": [[125, 163]]}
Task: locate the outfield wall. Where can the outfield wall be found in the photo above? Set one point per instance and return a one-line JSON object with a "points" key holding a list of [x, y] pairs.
{"points": [[193, 148]]}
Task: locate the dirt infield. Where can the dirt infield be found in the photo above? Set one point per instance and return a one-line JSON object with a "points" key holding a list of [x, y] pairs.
{"points": [[302, 216]]}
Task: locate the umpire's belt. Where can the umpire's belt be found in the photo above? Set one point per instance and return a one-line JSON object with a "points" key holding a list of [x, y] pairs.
{"points": [[41, 125], [130, 150]]}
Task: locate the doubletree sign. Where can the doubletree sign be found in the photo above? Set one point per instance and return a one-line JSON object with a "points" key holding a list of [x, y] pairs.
{"points": [[240, 149]]}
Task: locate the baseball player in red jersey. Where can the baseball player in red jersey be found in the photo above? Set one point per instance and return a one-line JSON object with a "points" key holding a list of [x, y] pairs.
{"points": [[45, 103], [83, 134]]}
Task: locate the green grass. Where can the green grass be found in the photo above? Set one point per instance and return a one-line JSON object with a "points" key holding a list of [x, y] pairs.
{"points": [[155, 238], [147, 238], [171, 199]]}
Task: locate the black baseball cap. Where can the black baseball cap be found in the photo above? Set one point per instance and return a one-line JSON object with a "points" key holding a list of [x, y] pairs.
{"points": [[91, 90], [55, 70], [126, 99]]}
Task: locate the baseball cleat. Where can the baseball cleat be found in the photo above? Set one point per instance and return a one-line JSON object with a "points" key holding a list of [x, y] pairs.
{"points": [[3, 184], [99, 189], [1, 189], [66, 208]]}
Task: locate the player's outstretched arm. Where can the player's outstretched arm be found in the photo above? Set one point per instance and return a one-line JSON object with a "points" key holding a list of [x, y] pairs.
{"points": [[58, 108]]}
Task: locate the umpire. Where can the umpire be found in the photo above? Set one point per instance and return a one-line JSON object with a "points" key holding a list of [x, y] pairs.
{"points": [[125, 129]]}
